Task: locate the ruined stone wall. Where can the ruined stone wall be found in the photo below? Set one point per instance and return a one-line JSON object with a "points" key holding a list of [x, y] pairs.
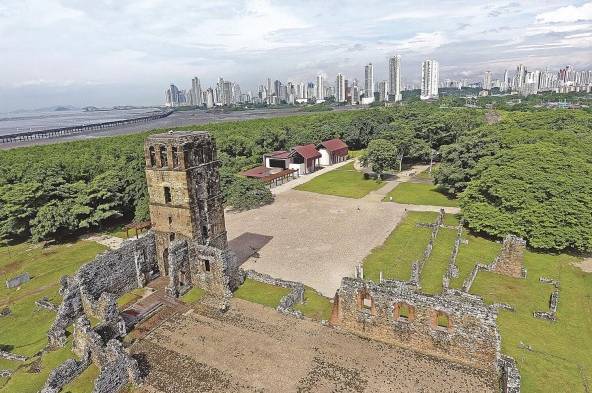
{"points": [[510, 262], [287, 303], [212, 269], [64, 374], [417, 266], [510, 376], [119, 369], [395, 313], [94, 289]]}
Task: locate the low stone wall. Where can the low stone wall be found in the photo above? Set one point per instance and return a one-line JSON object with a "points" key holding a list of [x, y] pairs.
{"points": [[12, 356], [64, 373], [46, 304], [510, 376], [394, 312], [119, 370], [510, 262], [18, 280], [417, 266], [468, 283], [287, 302], [550, 315], [452, 271]]}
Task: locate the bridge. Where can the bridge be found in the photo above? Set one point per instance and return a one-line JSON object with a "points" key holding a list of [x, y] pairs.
{"points": [[73, 130]]}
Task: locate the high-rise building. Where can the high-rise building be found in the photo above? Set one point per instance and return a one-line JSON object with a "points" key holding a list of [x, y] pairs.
{"points": [[429, 79], [383, 91], [369, 80], [520, 77], [395, 78], [505, 83], [320, 88], [195, 94], [339, 88], [172, 96], [209, 98], [487, 80]]}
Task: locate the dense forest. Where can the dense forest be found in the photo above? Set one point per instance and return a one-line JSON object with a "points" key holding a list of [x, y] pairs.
{"points": [[60, 190]]}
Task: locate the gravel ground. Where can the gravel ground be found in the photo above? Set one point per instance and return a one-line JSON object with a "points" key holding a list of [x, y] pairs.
{"points": [[252, 348], [312, 238]]}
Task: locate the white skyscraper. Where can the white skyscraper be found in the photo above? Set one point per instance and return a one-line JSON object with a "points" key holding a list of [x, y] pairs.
{"points": [[195, 93], [395, 78], [505, 82], [487, 80], [339, 88], [429, 79], [383, 91], [369, 80], [320, 88]]}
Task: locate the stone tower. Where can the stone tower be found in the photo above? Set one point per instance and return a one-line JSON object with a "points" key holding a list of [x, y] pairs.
{"points": [[184, 190]]}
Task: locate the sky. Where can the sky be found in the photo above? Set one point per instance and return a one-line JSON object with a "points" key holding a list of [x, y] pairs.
{"points": [[126, 52]]}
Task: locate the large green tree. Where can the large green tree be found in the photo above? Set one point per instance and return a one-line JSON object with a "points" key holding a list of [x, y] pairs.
{"points": [[540, 191], [380, 155]]}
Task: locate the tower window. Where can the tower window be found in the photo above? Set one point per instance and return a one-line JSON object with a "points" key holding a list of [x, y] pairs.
{"points": [[207, 265], [175, 157], [163, 156], [167, 195], [204, 232], [152, 153], [172, 237]]}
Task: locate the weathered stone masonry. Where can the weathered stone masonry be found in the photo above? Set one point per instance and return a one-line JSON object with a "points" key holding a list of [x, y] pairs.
{"points": [[453, 325]]}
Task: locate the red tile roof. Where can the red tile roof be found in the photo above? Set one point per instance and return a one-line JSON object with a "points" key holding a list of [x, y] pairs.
{"points": [[258, 172], [307, 151], [282, 154], [336, 146]]}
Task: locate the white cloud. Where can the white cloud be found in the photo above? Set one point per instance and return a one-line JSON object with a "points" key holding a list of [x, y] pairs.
{"points": [[567, 14]]}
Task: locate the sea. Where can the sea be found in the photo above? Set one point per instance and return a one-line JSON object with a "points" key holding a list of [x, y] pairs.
{"points": [[23, 121]]}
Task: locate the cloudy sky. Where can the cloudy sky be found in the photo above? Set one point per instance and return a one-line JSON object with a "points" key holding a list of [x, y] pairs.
{"points": [[117, 52]]}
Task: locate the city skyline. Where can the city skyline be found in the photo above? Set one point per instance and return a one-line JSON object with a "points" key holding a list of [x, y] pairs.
{"points": [[142, 46]]}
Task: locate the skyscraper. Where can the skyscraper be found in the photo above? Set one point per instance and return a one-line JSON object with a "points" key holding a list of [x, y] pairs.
{"points": [[505, 83], [369, 80], [195, 93], [383, 91], [395, 78], [340, 88], [320, 88], [487, 80], [172, 96], [429, 79]]}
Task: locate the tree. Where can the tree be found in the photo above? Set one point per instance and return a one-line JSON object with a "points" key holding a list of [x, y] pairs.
{"points": [[18, 206], [245, 193], [380, 155], [55, 219], [541, 192]]}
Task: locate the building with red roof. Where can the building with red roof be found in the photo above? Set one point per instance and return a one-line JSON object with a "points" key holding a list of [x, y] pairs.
{"points": [[332, 151]]}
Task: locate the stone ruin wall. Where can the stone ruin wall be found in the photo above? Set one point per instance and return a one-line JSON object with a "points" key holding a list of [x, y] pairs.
{"points": [[94, 289], [188, 260], [371, 310], [510, 262], [116, 367], [287, 303]]}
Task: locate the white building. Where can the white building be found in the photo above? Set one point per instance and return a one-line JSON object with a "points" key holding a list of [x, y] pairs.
{"points": [[383, 91], [339, 88], [429, 79], [487, 80], [320, 88], [369, 80], [395, 78], [195, 93]]}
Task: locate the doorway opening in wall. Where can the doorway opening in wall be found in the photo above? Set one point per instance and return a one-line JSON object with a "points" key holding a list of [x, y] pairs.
{"points": [[165, 261], [207, 265]]}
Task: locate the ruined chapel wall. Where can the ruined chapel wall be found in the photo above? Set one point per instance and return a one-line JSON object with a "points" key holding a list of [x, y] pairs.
{"points": [[471, 336]]}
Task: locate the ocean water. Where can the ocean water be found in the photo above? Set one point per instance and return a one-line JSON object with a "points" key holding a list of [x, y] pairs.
{"points": [[12, 123]]}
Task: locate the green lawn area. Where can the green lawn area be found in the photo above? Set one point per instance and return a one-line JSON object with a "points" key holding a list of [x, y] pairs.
{"points": [[25, 330], [356, 153], [344, 181], [193, 295], [84, 383], [258, 292], [130, 297], [403, 246], [315, 306], [426, 174], [420, 194], [560, 360]]}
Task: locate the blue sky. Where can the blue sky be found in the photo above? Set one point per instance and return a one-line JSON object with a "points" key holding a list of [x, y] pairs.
{"points": [[116, 52]]}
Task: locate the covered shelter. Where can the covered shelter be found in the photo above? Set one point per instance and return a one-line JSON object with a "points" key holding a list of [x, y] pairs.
{"points": [[332, 151], [305, 158], [271, 176]]}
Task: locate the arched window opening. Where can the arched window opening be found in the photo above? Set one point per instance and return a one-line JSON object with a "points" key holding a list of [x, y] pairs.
{"points": [[163, 156], [442, 320], [152, 153], [175, 157]]}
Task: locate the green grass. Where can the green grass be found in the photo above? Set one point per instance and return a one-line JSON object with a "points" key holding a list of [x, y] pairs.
{"points": [[403, 246], [25, 329], [560, 359], [193, 295], [261, 293], [561, 351], [420, 194], [344, 181], [356, 153], [130, 297], [315, 306], [84, 383], [426, 174]]}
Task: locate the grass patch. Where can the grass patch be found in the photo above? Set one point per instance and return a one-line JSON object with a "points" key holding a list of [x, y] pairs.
{"points": [[403, 246], [344, 181], [425, 174], [437, 264], [84, 383], [355, 153], [420, 194], [130, 297], [316, 306], [193, 295], [26, 328], [261, 293], [478, 250]]}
